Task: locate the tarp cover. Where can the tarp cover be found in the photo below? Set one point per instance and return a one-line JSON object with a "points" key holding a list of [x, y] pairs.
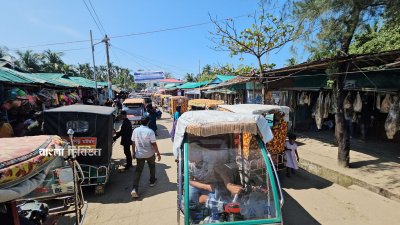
{"points": [[209, 122], [256, 109]]}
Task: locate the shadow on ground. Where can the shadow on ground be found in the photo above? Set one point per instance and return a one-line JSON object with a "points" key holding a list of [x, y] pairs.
{"points": [[293, 212], [119, 188]]}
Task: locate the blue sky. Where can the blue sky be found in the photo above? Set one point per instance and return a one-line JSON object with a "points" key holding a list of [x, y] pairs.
{"points": [[27, 22]]}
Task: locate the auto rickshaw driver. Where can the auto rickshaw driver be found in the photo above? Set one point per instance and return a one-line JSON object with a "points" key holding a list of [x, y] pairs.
{"points": [[213, 173]]}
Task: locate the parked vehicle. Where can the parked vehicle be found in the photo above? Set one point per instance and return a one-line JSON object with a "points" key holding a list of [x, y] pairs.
{"points": [[222, 178], [37, 170], [135, 110], [93, 126], [278, 120], [204, 104]]}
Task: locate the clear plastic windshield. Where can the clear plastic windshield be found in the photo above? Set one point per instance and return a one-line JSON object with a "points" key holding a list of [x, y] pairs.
{"points": [[133, 110], [228, 180]]}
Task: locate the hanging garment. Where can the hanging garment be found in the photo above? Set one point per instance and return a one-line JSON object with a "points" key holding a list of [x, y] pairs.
{"points": [[347, 103], [392, 123], [301, 101], [309, 99], [333, 107], [327, 104], [357, 105], [306, 100], [319, 110], [378, 101], [386, 103]]}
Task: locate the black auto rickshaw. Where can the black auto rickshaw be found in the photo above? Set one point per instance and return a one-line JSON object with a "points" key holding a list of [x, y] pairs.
{"points": [[93, 127]]}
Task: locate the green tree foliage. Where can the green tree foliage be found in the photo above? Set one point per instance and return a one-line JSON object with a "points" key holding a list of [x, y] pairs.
{"points": [[29, 61], [265, 34], [329, 28], [51, 61], [375, 39], [189, 77]]}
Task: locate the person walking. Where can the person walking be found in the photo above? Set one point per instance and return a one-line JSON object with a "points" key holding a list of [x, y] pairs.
{"points": [[125, 133], [292, 157], [152, 117], [144, 149], [177, 114]]}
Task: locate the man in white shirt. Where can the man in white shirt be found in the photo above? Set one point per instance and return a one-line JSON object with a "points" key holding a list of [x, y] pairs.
{"points": [[144, 148]]}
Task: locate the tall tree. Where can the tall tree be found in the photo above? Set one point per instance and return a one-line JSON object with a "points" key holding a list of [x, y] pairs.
{"points": [[265, 34], [29, 61], [337, 22]]}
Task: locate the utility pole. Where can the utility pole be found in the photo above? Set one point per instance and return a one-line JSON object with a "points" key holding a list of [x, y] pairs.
{"points": [[94, 66], [106, 40]]}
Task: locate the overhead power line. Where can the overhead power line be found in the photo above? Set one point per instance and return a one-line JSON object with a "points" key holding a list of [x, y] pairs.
{"points": [[97, 16], [132, 34], [91, 14]]}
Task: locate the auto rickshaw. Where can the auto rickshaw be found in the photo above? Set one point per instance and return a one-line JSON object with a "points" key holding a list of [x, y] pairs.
{"points": [[157, 99], [135, 108], [178, 101], [94, 127], [278, 120], [165, 102], [36, 171], [204, 104], [223, 176]]}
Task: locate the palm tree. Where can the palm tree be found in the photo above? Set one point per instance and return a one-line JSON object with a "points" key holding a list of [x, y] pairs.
{"points": [[52, 61], [29, 61], [291, 62], [189, 77], [85, 71]]}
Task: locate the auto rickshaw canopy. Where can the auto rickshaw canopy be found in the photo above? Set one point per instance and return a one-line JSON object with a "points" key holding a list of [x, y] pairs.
{"points": [[134, 101], [256, 109]]}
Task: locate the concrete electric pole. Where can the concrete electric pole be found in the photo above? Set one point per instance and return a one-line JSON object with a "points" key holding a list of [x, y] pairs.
{"points": [[106, 41]]}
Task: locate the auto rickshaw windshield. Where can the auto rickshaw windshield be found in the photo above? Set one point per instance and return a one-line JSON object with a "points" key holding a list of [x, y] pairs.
{"points": [[229, 180]]}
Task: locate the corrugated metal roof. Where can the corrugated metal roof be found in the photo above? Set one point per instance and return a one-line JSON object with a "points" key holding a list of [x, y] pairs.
{"points": [[55, 79], [191, 85], [83, 82], [224, 78], [13, 76]]}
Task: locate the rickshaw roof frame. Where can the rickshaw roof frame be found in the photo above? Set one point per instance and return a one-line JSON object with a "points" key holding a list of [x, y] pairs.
{"points": [[256, 109], [93, 109]]}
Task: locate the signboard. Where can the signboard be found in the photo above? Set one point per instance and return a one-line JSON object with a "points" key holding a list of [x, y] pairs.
{"points": [[148, 76], [84, 142]]}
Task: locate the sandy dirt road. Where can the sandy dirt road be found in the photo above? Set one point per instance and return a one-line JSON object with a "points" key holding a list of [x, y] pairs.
{"points": [[309, 199]]}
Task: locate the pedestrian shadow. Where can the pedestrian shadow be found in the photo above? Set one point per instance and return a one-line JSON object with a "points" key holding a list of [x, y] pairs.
{"points": [[163, 132], [300, 180], [293, 213], [118, 189]]}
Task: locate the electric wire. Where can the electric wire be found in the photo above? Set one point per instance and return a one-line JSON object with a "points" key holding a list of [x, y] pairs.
{"points": [[91, 14], [98, 18]]}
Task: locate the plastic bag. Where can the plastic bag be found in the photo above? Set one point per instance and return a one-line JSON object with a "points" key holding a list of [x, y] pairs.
{"points": [[301, 100], [347, 104], [357, 105], [386, 103], [392, 123], [378, 101], [309, 99], [319, 111], [333, 107], [306, 100]]}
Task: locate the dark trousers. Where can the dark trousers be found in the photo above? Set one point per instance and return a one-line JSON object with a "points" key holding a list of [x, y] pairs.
{"points": [[151, 162], [128, 155]]}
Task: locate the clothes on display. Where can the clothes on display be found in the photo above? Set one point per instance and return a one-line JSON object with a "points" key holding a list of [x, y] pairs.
{"points": [[386, 103], [357, 105], [392, 123], [319, 108]]}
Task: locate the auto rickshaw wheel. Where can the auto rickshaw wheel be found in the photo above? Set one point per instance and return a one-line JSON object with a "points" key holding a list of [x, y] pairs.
{"points": [[99, 189]]}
